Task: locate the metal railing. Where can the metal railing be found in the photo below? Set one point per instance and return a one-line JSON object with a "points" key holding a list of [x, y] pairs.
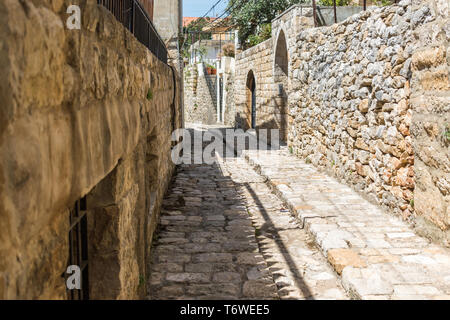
{"points": [[134, 17], [316, 10]]}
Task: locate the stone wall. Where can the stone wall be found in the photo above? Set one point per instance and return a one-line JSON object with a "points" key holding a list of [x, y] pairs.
{"points": [[256, 61], [430, 103], [350, 102], [229, 118], [84, 112], [200, 95], [354, 91]]}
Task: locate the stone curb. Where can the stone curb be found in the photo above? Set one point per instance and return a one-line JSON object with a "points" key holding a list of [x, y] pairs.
{"points": [[364, 276]]}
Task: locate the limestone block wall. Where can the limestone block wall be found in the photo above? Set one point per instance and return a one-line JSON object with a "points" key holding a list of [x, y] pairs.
{"points": [[200, 95], [258, 61], [430, 103], [350, 101], [84, 112]]}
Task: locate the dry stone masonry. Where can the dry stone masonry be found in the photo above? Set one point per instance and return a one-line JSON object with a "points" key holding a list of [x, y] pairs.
{"points": [[367, 101], [350, 102], [200, 95]]}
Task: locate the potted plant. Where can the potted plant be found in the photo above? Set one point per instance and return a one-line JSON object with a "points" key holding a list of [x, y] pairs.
{"points": [[210, 69]]}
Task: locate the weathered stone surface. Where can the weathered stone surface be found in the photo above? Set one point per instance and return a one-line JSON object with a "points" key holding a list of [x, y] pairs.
{"points": [[74, 114], [341, 258], [381, 250]]}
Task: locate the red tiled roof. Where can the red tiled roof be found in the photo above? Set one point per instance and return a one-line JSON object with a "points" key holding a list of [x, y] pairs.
{"points": [[188, 20]]}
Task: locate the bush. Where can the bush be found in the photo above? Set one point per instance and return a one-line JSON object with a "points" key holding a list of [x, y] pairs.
{"points": [[228, 50]]}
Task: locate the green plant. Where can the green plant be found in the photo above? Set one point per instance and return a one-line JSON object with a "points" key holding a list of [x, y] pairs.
{"points": [[141, 280], [247, 16], [411, 202], [446, 132], [149, 94], [202, 52]]}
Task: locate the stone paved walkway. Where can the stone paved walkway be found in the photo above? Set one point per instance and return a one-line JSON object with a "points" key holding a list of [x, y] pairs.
{"points": [[378, 255], [299, 269], [269, 226], [223, 235]]}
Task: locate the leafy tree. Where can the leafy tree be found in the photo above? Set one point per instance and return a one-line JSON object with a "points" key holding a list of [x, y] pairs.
{"points": [[247, 15], [193, 32]]}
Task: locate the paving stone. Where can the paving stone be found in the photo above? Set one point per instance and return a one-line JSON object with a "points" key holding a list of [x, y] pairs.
{"points": [[227, 277], [341, 258], [393, 253], [188, 277]]}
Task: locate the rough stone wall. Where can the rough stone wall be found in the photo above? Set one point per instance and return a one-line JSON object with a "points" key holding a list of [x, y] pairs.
{"points": [[350, 102], [229, 105], [430, 103], [79, 108], [200, 96], [257, 59]]}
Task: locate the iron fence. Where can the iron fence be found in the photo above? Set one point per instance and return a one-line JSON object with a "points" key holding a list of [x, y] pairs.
{"points": [[316, 9], [136, 19]]}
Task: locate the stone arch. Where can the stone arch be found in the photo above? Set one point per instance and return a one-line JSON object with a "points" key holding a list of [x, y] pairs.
{"points": [[281, 79], [250, 110]]}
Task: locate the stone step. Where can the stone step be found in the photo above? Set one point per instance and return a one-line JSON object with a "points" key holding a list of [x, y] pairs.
{"points": [[377, 255]]}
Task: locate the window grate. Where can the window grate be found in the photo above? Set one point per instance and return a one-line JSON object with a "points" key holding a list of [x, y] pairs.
{"points": [[78, 248]]}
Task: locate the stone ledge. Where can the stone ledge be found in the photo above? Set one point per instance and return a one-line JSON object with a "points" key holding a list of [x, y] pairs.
{"points": [[378, 256]]}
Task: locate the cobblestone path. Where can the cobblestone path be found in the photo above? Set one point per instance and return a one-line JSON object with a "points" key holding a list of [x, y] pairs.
{"points": [[223, 235], [206, 247], [266, 225], [298, 268], [378, 255]]}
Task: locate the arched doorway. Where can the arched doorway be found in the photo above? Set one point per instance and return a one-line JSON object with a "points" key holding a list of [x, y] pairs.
{"points": [[251, 101], [281, 72]]}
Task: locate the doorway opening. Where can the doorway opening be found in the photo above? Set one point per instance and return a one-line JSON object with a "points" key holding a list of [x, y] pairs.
{"points": [[251, 101]]}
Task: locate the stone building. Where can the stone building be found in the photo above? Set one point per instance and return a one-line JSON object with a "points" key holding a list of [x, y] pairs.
{"points": [[168, 19], [365, 99], [85, 135]]}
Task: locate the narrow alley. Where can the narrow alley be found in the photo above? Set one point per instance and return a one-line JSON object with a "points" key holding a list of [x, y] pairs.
{"points": [[224, 235], [227, 232]]}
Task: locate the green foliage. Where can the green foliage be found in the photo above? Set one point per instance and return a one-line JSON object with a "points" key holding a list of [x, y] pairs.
{"points": [[247, 16], [262, 35], [411, 202], [141, 280], [202, 52], [149, 94], [191, 34]]}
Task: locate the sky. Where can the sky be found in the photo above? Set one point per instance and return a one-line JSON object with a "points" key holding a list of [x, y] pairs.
{"points": [[197, 8]]}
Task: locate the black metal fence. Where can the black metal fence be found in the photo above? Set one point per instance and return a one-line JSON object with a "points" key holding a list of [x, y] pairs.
{"points": [[134, 17], [315, 10]]}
